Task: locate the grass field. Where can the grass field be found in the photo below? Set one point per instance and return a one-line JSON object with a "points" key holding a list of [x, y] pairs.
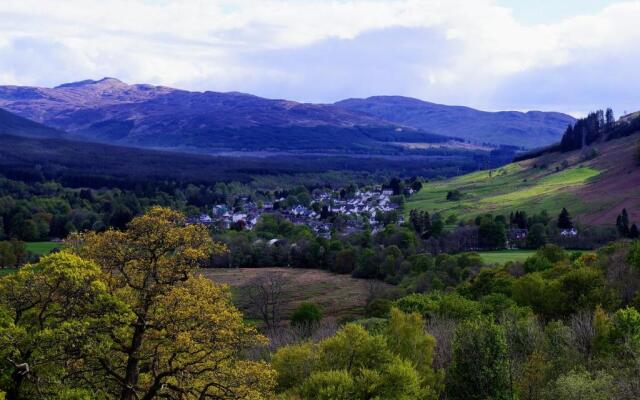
{"points": [[593, 183], [517, 186], [339, 296], [42, 248], [503, 256]]}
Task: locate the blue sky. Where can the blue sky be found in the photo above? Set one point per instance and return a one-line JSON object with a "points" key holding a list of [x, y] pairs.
{"points": [[566, 55], [550, 11]]}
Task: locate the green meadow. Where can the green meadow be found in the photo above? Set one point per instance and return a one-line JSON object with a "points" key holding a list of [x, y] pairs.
{"points": [[504, 256], [42, 248], [513, 187]]}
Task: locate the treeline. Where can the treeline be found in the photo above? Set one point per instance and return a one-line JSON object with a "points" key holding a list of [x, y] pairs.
{"points": [[596, 127], [416, 254]]}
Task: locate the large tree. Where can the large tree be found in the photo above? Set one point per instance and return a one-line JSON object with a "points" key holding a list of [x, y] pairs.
{"points": [[50, 314], [185, 339], [480, 369], [564, 220]]}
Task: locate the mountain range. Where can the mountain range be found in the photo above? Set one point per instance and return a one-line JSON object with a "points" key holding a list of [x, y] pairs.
{"points": [[111, 111], [531, 129]]}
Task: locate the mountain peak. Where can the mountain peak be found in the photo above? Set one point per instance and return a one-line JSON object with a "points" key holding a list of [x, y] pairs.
{"points": [[106, 81]]}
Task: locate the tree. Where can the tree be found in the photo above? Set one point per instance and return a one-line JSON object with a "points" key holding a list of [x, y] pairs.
{"points": [[53, 312], [564, 220], [266, 297], [479, 370], [407, 338], [397, 185], [7, 256], [622, 223], [454, 195], [537, 236], [634, 233], [306, 316], [416, 186], [356, 364], [491, 234], [581, 385], [185, 339], [610, 119]]}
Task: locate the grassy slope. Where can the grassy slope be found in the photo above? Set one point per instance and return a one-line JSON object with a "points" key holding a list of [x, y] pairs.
{"points": [[339, 296], [594, 190]]}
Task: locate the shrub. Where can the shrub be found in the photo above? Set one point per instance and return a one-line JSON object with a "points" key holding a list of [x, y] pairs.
{"points": [[306, 315]]}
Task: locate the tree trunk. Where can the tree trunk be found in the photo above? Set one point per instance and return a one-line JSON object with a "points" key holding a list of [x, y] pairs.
{"points": [[16, 382], [132, 373]]}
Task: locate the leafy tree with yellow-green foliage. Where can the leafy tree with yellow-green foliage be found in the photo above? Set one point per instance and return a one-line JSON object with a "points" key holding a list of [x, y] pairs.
{"points": [[186, 338], [356, 364], [125, 317], [50, 314]]}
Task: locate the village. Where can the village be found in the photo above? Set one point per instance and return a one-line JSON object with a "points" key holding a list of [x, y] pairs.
{"points": [[327, 211]]}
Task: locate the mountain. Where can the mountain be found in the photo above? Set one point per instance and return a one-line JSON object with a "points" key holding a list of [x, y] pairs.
{"points": [[594, 183], [531, 129], [111, 111], [114, 112], [16, 125]]}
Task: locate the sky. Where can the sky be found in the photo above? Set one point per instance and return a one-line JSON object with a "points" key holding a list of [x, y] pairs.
{"points": [[572, 56]]}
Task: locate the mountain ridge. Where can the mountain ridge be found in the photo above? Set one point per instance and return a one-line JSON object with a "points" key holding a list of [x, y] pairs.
{"points": [[115, 112], [499, 127]]}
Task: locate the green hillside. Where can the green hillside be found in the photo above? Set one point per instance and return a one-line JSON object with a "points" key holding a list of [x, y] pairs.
{"points": [[593, 183]]}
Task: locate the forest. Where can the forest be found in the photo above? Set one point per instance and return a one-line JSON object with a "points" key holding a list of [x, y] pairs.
{"points": [[123, 314]]}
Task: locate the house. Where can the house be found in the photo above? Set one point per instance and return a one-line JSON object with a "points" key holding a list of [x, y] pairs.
{"points": [[220, 209], [573, 232], [516, 238], [239, 217]]}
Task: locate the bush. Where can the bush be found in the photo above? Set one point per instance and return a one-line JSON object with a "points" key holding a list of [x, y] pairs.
{"points": [[454, 195], [306, 315], [378, 308]]}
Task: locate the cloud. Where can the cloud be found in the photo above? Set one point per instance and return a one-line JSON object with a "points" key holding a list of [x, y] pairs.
{"points": [[471, 52]]}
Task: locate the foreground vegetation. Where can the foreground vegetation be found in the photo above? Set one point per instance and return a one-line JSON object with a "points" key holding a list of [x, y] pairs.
{"points": [[122, 315]]}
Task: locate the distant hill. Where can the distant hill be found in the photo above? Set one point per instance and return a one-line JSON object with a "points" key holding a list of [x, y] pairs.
{"points": [[531, 129], [594, 183], [111, 111], [114, 112], [16, 125]]}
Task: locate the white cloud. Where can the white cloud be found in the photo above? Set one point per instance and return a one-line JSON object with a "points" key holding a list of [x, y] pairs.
{"points": [[457, 51]]}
